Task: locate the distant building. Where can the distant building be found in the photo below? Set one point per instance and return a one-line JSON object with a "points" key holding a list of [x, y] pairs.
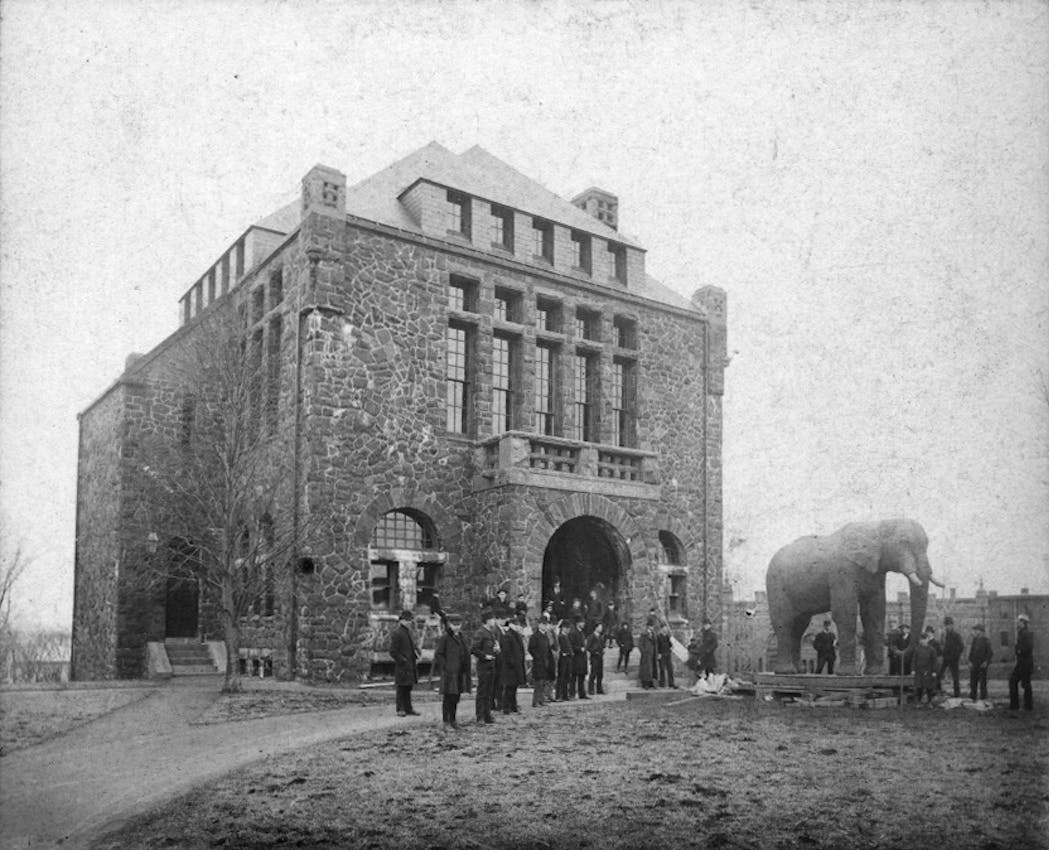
{"points": [[484, 388]]}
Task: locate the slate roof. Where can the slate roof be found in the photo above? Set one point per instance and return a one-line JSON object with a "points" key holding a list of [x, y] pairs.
{"points": [[475, 172]]}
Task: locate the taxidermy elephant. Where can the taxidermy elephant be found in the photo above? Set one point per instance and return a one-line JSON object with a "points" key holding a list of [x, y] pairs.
{"points": [[844, 573]]}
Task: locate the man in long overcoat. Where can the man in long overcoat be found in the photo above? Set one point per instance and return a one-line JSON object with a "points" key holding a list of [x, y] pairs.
{"points": [[451, 660], [564, 660], [646, 666], [485, 648], [511, 665], [405, 656], [578, 640], [542, 662]]}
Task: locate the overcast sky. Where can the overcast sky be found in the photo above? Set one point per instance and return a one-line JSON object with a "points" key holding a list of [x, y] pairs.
{"points": [[869, 183]]}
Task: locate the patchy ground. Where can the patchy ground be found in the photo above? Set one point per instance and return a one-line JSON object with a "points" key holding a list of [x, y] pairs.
{"points": [[29, 717], [642, 774], [253, 704]]}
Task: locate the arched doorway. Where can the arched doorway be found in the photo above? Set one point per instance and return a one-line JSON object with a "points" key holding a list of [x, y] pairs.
{"points": [[583, 554]]}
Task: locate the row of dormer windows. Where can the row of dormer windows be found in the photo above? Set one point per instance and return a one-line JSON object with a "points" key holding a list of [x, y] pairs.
{"points": [[459, 216]]}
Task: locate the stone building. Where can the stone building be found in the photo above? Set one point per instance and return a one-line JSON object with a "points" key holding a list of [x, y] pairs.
{"points": [[483, 388]]}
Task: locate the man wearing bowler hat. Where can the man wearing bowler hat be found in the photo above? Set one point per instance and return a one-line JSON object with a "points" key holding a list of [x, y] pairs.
{"points": [[953, 647], [451, 660], [405, 655], [980, 654]]}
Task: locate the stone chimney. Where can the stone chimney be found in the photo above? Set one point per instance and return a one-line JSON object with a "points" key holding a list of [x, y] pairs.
{"points": [[602, 205], [324, 191]]}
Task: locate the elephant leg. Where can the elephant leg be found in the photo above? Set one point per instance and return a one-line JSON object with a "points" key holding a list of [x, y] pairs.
{"points": [[844, 607], [797, 631], [782, 618], [872, 615]]}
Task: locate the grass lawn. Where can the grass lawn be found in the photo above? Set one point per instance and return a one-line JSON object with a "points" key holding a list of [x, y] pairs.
{"points": [[641, 774]]}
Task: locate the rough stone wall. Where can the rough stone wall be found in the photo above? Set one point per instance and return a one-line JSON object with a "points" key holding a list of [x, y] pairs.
{"points": [[94, 646], [373, 410]]}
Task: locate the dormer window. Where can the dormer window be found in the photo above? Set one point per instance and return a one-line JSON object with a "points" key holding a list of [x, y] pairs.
{"points": [[458, 214], [502, 228], [543, 239], [581, 251], [617, 261]]}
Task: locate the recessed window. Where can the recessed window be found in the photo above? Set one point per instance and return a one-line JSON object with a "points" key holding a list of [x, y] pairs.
{"points": [[385, 585], [502, 227], [676, 596], [211, 286], [503, 368], [187, 416], [462, 294], [459, 213], [585, 386], [258, 303], [587, 324], [617, 261], [458, 366], [545, 387], [673, 551], [276, 286], [225, 273], [624, 394], [273, 364], [239, 260], [624, 333], [507, 305], [548, 315], [543, 239], [581, 251], [401, 530]]}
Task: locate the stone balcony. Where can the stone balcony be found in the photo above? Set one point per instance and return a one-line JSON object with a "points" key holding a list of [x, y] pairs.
{"points": [[534, 460]]}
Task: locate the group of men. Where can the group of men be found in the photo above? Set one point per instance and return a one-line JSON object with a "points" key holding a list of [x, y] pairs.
{"points": [[931, 658]]}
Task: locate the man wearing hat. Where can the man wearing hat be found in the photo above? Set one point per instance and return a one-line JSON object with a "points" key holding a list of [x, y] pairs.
{"points": [[953, 647], [451, 660], [405, 655], [980, 654], [823, 643], [900, 650], [485, 648], [1021, 674]]}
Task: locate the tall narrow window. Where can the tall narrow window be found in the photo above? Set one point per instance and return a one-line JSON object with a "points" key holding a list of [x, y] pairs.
{"points": [[258, 303], [617, 261], [188, 415], [543, 239], [582, 428], [462, 294], [544, 389], [507, 305], [255, 377], [239, 269], [276, 286], [502, 389], [502, 228], [273, 363], [459, 213], [624, 391], [457, 374], [548, 315], [624, 332], [225, 273], [211, 286], [581, 251]]}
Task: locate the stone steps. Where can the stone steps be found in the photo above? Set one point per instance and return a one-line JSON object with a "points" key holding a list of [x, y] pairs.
{"points": [[188, 657]]}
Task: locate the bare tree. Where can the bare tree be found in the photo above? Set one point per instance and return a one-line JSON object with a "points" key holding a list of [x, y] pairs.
{"points": [[13, 563], [215, 485]]}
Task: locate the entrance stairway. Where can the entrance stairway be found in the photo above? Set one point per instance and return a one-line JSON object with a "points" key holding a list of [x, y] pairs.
{"points": [[188, 657]]}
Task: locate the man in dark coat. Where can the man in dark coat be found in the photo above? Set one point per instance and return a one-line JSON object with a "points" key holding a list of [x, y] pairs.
{"points": [[665, 657], [646, 666], [578, 640], [564, 660], [980, 654], [625, 639], [405, 656], [900, 650], [485, 648], [595, 610], [611, 623], [953, 647], [823, 643], [542, 661], [595, 647], [708, 644], [451, 660], [511, 665], [558, 609], [1024, 665]]}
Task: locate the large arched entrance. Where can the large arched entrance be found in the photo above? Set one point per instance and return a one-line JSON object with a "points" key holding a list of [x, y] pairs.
{"points": [[586, 553]]}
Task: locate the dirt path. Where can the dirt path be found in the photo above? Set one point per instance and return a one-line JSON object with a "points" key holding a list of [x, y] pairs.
{"points": [[68, 790]]}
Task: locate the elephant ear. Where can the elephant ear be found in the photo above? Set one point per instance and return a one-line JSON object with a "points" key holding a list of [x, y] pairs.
{"points": [[862, 547]]}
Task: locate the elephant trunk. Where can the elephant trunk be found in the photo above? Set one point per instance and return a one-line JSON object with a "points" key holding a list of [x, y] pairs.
{"points": [[919, 602]]}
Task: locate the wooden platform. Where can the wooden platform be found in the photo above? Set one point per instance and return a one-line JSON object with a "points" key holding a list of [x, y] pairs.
{"points": [[854, 690]]}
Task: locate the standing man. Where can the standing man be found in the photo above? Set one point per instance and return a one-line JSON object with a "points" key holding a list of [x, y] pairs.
{"points": [[953, 647], [900, 649], [578, 639], [595, 646], [890, 646], [564, 661], [708, 644], [1021, 674], [980, 654], [451, 659], [625, 639], [485, 648], [646, 667], [823, 643], [542, 661], [665, 657], [610, 623], [405, 655], [511, 665]]}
